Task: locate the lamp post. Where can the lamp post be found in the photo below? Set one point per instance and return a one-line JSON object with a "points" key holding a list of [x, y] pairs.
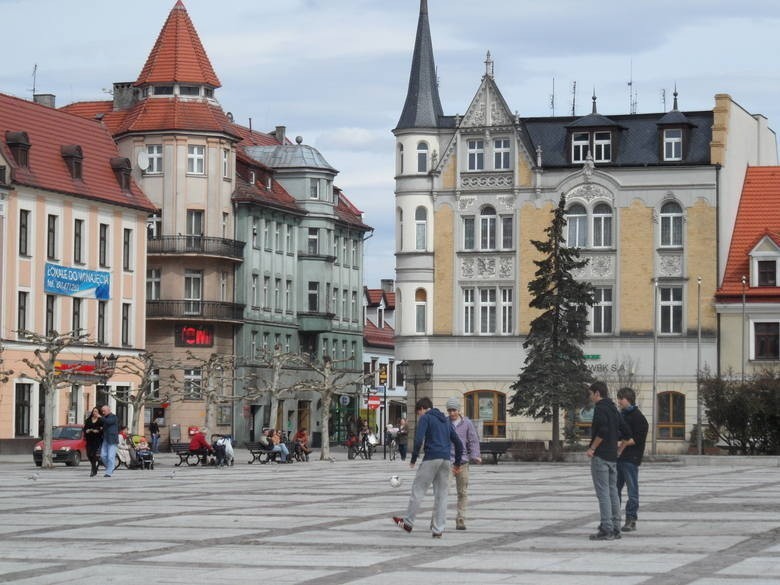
{"points": [[415, 372], [744, 281], [104, 366], [655, 362], [698, 367]]}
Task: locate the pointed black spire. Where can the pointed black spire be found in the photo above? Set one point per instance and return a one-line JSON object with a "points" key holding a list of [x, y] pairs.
{"points": [[423, 106], [674, 107]]}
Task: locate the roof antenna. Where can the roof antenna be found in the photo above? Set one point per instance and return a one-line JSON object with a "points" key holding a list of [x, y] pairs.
{"points": [[250, 124], [632, 96], [663, 98], [34, 76], [552, 98], [573, 98]]}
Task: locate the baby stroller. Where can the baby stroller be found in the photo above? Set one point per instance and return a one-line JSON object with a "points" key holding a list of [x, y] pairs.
{"points": [[140, 453], [223, 449]]}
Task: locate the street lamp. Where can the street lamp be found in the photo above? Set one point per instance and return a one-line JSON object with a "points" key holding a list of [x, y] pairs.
{"points": [[415, 372], [105, 366]]}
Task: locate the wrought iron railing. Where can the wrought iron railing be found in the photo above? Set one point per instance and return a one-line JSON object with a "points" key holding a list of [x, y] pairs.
{"points": [[195, 245], [189, 309]]}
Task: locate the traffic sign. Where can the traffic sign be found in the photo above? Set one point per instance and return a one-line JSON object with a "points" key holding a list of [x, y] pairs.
{"points": [[374, 401], [344, 399]]}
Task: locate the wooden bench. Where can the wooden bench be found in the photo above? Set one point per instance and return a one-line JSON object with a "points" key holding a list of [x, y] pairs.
{"points": [[261, 453], [494, 448], [185, 456]]}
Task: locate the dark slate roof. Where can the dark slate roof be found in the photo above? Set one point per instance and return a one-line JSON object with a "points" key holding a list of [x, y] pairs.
{"points": [[594, 120], [636, 142], [289, 156], [674, 118], [423, 106]]}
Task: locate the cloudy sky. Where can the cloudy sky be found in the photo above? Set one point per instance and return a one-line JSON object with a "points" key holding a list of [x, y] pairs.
{"points": [[336, 71]]}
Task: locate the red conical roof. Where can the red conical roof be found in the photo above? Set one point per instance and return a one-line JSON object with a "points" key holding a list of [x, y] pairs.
{"points": [[178, 55]]}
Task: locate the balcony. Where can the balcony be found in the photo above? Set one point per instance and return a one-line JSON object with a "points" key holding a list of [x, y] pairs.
{"points": [[199, 245], [195, 310]]}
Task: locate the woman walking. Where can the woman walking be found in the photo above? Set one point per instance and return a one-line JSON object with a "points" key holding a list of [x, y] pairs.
{"points": [[93, 434]]}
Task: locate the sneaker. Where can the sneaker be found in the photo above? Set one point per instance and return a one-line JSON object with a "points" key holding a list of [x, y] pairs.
{"points": [[616, 535], [435, 534], [401, 524], [602, 535], [460, 524], [629, 526], [106, 475]]}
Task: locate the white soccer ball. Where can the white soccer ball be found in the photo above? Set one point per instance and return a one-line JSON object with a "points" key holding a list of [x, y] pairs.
{"points": [[395, 481]]}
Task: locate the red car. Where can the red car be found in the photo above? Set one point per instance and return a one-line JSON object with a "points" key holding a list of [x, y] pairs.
{"points": [[68, 446]]}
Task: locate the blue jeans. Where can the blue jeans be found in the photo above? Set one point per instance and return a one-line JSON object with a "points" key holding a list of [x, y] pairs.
{"points": [[604, 474], [628, 475], [281, 448], [108, 455], [155, 442]]}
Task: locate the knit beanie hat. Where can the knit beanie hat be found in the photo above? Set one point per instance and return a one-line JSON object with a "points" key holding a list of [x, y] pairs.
{"points": [[453, 404]]}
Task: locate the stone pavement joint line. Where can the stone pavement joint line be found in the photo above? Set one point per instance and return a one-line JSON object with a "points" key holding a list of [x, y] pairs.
{"points": [[323, 523]]}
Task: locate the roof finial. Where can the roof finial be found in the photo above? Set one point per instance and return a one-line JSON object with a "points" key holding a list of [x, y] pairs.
{"points": [[488, 65], [674, 107], [594, 100]]}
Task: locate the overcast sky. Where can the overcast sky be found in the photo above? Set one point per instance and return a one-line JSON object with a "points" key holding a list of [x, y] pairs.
{"points": [[336, 71]]}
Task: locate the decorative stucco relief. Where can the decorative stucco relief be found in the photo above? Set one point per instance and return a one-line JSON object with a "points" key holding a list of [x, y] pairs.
{"points": [[670, 265], [487, 181], [487, 268], [465, 203], [599, 267], [589, 192], [506, 202]]}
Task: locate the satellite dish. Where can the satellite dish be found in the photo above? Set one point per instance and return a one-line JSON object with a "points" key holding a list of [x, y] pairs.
{"points": [[142, 160]]}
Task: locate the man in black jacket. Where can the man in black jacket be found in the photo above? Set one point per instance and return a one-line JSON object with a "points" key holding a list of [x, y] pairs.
{"points": [[605, 432], [630, 454]]}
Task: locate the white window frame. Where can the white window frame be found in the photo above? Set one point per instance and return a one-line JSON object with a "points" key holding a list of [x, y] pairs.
{"points": [[488, 307], [314, 188], [469, 307], [154, 153], [488, 223], [507, 310], [153, 284], [420, 311], [502, 149], [669, 306], [196, 159], [673, 138], [753, 344], [193, 291], [226, 163], [602, 312], [602, 225], [469, 232], [476, 154], [422, 157], [193, 379], [577, 226], [580, 146], [602, 146], [421, 228], [672, 228]]}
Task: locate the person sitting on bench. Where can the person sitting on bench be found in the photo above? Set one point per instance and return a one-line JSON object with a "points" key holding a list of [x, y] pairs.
{"points": [[200, 446]]}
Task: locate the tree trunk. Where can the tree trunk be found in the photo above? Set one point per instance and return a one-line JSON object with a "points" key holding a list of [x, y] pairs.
{"points": [[48, 423], [324, 418], [556, 433], [274, 406]]}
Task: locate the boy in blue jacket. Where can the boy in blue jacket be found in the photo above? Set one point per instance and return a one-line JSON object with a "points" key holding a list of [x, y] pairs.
{"points": [[436, 431]]}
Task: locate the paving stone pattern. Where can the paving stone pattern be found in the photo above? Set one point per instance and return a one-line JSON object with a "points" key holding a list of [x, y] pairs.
{"points": [[329, 522]]}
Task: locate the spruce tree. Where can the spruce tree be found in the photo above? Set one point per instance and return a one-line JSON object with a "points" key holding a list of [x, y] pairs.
{"points": [[555, 375]]}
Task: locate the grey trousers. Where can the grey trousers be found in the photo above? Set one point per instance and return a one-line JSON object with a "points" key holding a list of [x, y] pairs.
{"points": [[604, 474], [434, 472]]}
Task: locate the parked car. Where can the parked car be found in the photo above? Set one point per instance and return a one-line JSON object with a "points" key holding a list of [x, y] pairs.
{"points": [[68, 446]]}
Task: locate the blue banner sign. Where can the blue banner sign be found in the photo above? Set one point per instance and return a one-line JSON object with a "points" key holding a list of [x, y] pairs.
{"points": [[76, 282]]}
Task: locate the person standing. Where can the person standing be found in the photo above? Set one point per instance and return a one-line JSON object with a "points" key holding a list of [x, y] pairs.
{"points": [[93, 435], [630, 454], [436, 432], [154, 431], [110, 439], [468, 436], [605, 433], [402, 437]]}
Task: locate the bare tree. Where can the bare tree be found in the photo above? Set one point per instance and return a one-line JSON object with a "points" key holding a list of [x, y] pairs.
{"points": [[277, 363], [143, 366], [328, 382], [44, 371], [217, 375]]}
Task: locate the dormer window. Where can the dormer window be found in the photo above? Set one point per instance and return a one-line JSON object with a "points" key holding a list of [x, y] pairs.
{"points": [[121, 168], [672, 144], [189, 90], [208, 92], [764, 262], [73, 157], [163, 90], [602, 146], [580, 144], [19, 144], [767, 273]]}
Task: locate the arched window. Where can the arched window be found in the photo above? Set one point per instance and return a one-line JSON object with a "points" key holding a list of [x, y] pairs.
{"points": [[487, 228], [420, 228], [671, 415], [671, 224], [420, 310], [400, 159], [602, 226], [400, 242], [489, 407], [577, 224], [422, 157]]}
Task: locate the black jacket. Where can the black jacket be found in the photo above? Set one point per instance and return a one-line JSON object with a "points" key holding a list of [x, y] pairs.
{"points": [[637, 423], [608, 424]]}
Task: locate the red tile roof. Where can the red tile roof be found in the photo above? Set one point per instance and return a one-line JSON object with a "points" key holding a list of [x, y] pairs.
{"points": [[277, 196], [172, 114], [375, 337], [758, 215], [374, 296], [178, 55], [348, 213], [48, 131], [253, 137]]}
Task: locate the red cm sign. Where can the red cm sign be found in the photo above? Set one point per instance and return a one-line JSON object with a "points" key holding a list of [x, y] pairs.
{"points": [[374, 401]]}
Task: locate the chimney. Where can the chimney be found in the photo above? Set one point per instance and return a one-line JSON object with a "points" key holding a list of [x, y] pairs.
{"points": [[44, 99], [387, 284], [280, 133], [125, 95]]}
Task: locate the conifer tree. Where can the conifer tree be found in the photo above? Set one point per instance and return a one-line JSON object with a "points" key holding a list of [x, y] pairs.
{"points": [[555, 375]]}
